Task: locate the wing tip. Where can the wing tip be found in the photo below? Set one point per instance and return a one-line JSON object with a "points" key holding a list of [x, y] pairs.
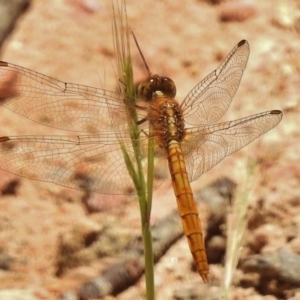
{"points": [[4, 139], [242, 42], [275, 112], [3, 64]]}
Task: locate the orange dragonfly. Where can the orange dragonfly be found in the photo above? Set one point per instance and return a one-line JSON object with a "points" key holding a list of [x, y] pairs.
{"points": [[186, 136]]}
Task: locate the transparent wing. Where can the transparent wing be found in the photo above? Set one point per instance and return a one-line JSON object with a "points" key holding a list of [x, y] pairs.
{"points": [[94, 163], [207, 102], [58, 104], [207, 146]]}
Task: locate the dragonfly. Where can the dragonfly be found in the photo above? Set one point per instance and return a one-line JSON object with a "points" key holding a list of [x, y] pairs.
{"points": [[188, 140]]}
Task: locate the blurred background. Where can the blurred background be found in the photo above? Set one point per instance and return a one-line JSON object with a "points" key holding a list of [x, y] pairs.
{"points": [[72, 40]]}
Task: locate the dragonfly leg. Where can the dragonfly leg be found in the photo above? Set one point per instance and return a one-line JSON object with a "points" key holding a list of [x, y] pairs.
{"points": [[142, 121], [144, 132]]}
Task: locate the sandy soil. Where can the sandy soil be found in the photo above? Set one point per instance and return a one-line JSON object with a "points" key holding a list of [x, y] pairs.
{"points": [[71, 40]]}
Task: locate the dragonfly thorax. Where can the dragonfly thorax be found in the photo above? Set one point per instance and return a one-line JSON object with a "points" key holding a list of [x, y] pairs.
{"points": [[154, 84], [164, 113], [165, 116]]}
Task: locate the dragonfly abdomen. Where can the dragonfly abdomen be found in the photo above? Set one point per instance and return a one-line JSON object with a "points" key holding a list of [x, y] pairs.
{"points": [[168, 127], [187, 207]]}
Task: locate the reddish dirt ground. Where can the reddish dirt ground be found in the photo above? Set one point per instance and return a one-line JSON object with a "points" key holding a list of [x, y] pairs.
{"points": [[71, 40]]}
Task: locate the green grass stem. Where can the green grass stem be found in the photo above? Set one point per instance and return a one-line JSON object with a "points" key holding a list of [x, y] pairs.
{"points": [[134, 165]]}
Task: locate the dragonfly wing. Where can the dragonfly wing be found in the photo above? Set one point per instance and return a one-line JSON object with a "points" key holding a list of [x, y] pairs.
{"points": [[94, 163], [207, 102], [58, 104], [208, 145]]}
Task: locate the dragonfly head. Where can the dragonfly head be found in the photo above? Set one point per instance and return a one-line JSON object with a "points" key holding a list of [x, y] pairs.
{"points": [[154, 84]]}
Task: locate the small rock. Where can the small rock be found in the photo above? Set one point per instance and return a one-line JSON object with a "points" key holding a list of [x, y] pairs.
{"points": [[6, 261], [16, 294], [283, 18], [236, 11]]}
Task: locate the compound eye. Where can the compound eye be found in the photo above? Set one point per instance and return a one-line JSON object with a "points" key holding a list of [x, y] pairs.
{"points": [[168, 87], [155, 84]]}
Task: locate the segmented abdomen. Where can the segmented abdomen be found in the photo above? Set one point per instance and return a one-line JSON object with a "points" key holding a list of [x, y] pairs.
{"points": [[187, 207]]}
